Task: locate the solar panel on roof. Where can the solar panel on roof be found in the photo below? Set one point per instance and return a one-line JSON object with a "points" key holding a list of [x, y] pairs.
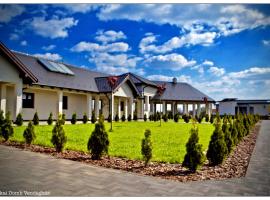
{"points": [[55, 67]]}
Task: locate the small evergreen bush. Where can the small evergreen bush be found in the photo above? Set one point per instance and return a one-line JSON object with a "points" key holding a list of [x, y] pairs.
{"points": [[165, 118], [217, 149], [109, 119], [234, 134], [85, 118], [74, 118], [58, 136], [63, 118], [207, 118], [50, 119], [116, 118], [228, 138], [36, 119], [170, 115], [146, 148], [186, 118], [98, 142], [29, 133], [194, 157], [2, 118], [145, 117], [19, 120], [135, 117], [123, 118], [212, 118], [93, 118], [7, 129], [129, 117], [176, 117]]}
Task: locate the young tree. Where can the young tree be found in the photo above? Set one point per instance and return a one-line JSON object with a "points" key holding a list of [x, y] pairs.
{"points": [[7, 129], [29, 133], [36, 119], [85, 118], [217, 149], [50, 119], [93, 118], [74, 118], [116, 118], [145, 117], [58, 136], [146, 148], [19, 120], [194, 157], [98, 142], [63, 118]]}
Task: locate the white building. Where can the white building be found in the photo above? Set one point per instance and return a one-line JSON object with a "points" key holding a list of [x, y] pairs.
{"points": [[233, 106], [29, 84]]}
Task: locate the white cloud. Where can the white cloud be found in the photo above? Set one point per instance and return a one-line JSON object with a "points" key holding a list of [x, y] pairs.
{"points": [[172, 61], [95, 47], [266, 42], [216, 71], [51, 28], [49, 56], [10, 11], [158, 77], [253, 71], [208, 63], [109, 36], [23, 43], [14, 36], [192, 38], [227, 19], [78, 7], [48, 48]]}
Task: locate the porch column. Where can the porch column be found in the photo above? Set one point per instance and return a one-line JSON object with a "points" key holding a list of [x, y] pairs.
{"points": [[173, 108], [163, 107], [18, 97], [97, 106], [198, 109], [142, 108], [147, 106], [4, 98], [193, 110], [151, 107], [60, 102], [126, 107], [210, 109], [131, 105], [89, 106], [119, 108], [185, 108], [112, 107]]}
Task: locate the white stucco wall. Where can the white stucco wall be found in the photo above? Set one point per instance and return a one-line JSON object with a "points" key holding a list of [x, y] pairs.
{"points": [[261, 109], [150, 91], [227, 107], [124, 91]]}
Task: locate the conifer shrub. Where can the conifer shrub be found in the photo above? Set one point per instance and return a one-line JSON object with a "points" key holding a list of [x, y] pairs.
{"points": [[159, 116], [217, 149], [145, 117], [129, 118], [246, 124], [29, 133], [135, 117], [170, 115], [228, 138], [93, 118], [19, 120], [116, 118], [234, 134], [50, 119], [176, 117], [165, 118], [146, 148], [85, 118], [194, 157], [155, 117], [151, 117], [2, 118], [207, 118], [36, 119], [74, 118], [58, 136], [63, 118], [123, 118], [186, 118], [109, 119], [98, 142], [6, 128], [212, 118]]}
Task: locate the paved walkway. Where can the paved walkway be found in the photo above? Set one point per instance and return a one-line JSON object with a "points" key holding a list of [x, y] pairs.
{"points": [[23, 170]]}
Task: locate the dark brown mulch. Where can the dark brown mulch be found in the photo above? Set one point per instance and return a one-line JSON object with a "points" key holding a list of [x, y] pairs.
{"points": [[234, 166]]}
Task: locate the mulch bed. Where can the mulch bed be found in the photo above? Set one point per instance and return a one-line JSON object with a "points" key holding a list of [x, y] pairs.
{"points": [[234, 166]]}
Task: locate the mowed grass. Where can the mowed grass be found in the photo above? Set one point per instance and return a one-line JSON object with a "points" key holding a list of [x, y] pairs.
{"points": [[125, 141]]}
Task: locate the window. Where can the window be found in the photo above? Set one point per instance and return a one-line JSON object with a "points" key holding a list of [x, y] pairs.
{"points": [[122, 106], [28, 100], [65, 102]]}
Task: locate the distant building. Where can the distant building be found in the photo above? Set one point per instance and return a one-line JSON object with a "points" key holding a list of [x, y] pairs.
{"points": [[233, 106]]}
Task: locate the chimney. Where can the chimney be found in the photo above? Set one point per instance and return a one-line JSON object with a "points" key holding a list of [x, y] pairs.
{"points": [[174, 80]]}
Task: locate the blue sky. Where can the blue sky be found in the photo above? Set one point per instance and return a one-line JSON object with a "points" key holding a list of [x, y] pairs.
{"points": [[221, 49]]}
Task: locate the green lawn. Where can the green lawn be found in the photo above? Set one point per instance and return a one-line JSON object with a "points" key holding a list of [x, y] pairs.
{"points": [[125, 141]]}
